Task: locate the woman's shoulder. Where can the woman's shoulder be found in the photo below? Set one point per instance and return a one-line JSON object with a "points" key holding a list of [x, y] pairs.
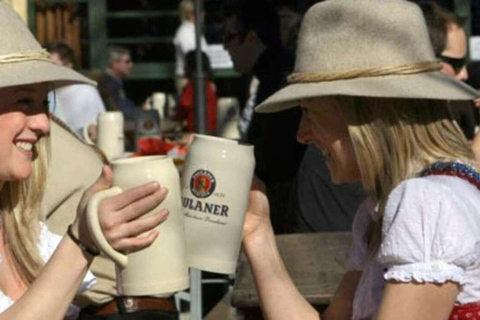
{"points": [[434, 188], [433, 198]]}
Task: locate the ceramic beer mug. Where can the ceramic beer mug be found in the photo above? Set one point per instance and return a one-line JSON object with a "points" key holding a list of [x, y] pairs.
{"points": [[216, 183], [160, 268], [110, 138]]}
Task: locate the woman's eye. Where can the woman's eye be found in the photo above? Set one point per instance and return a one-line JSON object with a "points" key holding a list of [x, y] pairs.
{"points": [[25, 103], [306, 112], [29, 105]]}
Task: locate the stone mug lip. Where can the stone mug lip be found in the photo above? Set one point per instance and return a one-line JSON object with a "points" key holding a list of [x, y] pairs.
{"points": [[136, 160], [226, 141], [110, 115]]}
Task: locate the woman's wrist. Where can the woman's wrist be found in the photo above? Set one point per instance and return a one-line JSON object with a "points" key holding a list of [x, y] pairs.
{"points": [[259, 237], [80, 231], [93, 251]]}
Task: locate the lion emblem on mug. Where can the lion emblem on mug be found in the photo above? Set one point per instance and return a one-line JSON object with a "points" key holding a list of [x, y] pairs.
{"points": [[202, 183]]}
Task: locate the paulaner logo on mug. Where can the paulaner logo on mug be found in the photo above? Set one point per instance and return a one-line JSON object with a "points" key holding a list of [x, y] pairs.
{"points": [[202, 183], [215, 188]]}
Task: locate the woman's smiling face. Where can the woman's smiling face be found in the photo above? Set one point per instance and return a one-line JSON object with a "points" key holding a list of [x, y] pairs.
{"points": [[324, 125], [23, 120]]}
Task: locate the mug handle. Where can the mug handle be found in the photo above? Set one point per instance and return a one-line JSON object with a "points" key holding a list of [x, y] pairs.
{"points": [[85, 134], [95, 229]]}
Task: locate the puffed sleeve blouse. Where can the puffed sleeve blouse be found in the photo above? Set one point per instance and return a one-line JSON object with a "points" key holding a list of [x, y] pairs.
{"points": [[48, 242], [430, 233]]}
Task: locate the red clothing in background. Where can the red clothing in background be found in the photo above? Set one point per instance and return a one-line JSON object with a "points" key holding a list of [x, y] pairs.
{"points": [[186, 106]]}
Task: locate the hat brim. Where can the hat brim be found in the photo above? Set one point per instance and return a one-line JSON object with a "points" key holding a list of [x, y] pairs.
{"points": [[431, 85], [32, 72]]}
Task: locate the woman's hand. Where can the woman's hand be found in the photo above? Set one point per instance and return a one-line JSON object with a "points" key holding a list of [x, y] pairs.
{"points": [[257, 219], [119, 215]]}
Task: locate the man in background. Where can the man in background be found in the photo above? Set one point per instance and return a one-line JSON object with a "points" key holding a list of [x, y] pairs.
{"points": [[252, 37], [111, 84], [449, 44]]}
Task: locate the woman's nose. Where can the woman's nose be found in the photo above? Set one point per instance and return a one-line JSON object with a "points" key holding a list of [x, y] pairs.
{"points": [[304, 133], [40, 123], [463, 74]]}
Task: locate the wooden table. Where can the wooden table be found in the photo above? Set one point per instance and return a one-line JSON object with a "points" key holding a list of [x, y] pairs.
{"points": [[315, 261]]}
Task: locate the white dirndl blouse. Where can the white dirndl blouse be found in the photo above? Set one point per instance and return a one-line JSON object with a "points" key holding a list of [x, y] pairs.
{"points": [[47, 245], [430, 233]]}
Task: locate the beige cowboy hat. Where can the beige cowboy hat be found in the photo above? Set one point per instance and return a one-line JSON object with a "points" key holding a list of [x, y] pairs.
{"points": [[23, 61], [370, 48]]}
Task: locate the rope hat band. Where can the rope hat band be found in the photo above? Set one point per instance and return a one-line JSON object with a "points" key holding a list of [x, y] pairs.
{"points": [[420, 67], [23, 61], [42, 55]]}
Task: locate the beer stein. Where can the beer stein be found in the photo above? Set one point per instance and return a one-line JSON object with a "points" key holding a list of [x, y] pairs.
{"points": [[160, 268], [216, 183]]}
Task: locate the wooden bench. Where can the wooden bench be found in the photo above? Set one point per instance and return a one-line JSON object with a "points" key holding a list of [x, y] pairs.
{"points": [[315, 261]]}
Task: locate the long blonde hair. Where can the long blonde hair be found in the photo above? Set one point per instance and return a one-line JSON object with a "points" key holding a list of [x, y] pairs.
{"points": [[20, 206], [394, 139]]}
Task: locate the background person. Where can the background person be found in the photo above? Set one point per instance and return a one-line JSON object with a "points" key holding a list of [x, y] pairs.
{"points": [[252, 38], [379, 112], [184, 41], [111, 84], [186, 103], [449, 44], [80, 104]]}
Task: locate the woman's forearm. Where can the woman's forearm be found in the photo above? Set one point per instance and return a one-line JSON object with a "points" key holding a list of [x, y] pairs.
{"points": [[279, 297], [50, 295]]}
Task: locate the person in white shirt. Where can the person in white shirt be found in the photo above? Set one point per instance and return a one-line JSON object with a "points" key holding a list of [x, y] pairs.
{"points": [[78, 105], [184, 41]]}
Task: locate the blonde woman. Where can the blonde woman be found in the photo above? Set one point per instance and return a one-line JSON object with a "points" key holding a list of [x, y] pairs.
{"points": [[375, 103], [31, 287]]}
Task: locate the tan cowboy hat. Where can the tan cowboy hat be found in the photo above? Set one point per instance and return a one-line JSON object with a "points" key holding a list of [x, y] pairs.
{"points": [[23, 61], [370, 48]]}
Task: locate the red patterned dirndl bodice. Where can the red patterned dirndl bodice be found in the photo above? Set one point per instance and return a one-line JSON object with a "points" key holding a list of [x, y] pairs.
{"points": [[469, 311]]}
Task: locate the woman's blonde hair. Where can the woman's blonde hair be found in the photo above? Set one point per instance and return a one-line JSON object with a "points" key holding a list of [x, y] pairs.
{"points": [[395, 139], [20, 206]]}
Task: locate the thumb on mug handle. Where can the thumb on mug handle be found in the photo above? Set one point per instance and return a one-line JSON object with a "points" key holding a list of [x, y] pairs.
{"points": [[95, 229]]}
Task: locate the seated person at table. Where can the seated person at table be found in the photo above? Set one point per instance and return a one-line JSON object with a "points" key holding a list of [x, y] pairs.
{"points": [[111, 84], [41, 273], [186, 104], [78, 105]]}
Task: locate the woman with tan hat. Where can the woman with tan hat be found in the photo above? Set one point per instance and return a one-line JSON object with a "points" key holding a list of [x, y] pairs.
{"points": [[375, 103], [31, 287]]}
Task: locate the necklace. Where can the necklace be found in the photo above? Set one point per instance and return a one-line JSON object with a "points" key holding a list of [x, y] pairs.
{"points": [[456, 169]]}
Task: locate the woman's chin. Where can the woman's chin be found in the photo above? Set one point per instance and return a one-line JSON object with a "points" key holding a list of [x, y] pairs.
{"points": [[22, 174]]}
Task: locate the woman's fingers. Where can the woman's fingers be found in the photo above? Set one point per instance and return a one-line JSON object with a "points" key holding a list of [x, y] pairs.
{"points": [[118, 202], [137, 227], [138, 243], [140, 207]]}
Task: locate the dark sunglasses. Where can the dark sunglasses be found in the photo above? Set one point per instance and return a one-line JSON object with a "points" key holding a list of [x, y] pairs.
{"points": [[457, 63]]}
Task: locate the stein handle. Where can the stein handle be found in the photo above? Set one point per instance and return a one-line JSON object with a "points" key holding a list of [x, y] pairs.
{"points": [[96, 231], [86, 136]]}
